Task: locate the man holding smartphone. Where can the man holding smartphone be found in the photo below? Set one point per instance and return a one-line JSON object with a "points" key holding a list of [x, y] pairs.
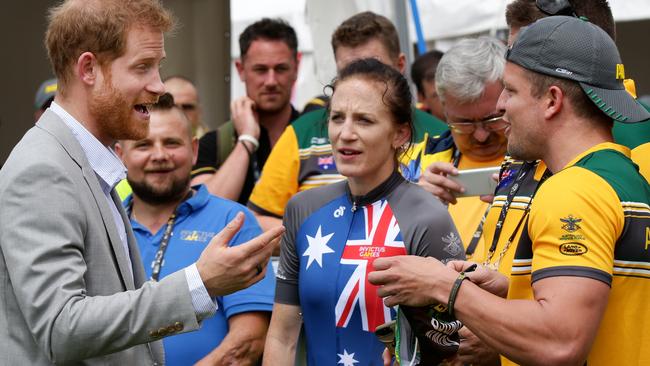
{"points": [[468, 81]]}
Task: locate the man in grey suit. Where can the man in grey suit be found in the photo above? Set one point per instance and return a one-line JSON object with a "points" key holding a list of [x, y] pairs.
{"points": [[72, 289]]}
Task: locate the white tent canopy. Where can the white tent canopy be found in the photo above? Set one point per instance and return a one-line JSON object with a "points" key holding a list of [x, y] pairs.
{"points": [[315, 20], [444, 18]]}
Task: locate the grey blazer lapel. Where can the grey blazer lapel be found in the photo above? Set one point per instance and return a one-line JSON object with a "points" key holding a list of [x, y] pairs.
{"points": [[51, 123]]}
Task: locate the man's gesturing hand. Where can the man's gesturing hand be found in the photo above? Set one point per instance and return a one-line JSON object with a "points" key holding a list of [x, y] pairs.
{"points": [[225, 269]]}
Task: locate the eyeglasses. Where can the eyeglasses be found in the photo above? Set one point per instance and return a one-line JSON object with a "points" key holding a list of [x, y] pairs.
{"points": [[555, 7], [187, 107], [490, 124]]}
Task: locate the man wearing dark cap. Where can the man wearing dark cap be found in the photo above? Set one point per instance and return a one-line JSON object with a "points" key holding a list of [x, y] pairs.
{"points": [[44, 97], [580, 277]]}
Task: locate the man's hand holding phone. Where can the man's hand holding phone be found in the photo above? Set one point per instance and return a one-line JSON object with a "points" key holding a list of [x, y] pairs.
{"points": [[446, 182], [435, 179]]}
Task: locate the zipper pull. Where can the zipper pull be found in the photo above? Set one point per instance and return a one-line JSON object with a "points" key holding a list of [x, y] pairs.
{"points": [[354, 206]]}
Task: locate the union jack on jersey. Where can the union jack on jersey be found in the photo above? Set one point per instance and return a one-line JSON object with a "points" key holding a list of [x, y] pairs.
{"points": [[377, 236]]}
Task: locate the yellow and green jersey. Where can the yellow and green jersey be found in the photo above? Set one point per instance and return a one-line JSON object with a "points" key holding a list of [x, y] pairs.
{"points": [[592, 219]]}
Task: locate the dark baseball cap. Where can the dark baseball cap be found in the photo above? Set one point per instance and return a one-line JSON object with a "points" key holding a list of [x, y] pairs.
{"points": [[572, 48], [45, 93]]}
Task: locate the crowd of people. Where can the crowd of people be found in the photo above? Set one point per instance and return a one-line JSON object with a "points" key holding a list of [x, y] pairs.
{"points": [[132, 234]]}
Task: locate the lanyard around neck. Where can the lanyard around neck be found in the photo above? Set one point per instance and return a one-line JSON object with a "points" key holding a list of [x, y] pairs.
{"points": [[160, 253], [157, 264], [526, 169]]}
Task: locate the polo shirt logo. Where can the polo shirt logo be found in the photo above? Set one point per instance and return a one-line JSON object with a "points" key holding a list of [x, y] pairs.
{"points": [[573, 248], [196, 235]]}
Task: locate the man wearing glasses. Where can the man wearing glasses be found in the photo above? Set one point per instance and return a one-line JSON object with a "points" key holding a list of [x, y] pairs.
{"points": [[468, 81]]}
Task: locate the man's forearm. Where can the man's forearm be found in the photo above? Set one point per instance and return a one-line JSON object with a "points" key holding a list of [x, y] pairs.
{"points": [[542, 331], [282, 340], [244, 343], [229, 180], [234, 352]]}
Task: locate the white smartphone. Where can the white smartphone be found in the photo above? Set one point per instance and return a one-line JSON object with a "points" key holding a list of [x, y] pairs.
{"points": [[477, 181]]}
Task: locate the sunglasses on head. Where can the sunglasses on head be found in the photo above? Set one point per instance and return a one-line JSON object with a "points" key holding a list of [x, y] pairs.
{"points": [[555, 7]]}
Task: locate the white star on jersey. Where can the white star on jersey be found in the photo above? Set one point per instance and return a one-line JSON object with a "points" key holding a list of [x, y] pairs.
{"points": [[317, 247], [347, 359]]}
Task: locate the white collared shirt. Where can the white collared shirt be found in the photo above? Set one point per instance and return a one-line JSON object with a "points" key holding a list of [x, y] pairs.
{"points": [[107, 166]]}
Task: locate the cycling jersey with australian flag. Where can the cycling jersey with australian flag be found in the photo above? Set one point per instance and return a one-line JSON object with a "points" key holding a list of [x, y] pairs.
{"points": [[331, 241]]}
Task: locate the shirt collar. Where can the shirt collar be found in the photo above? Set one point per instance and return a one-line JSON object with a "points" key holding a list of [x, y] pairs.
{"points": [[102, 158], [195, 202], [199, 199], [602, 146]]}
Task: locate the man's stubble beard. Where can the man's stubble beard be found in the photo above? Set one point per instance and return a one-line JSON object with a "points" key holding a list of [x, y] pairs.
{"points": [[114, 114], [525, 148], [153, 196], [273, 108]]}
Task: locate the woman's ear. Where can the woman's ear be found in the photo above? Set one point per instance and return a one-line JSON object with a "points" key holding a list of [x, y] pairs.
{"points": [[402, 135]]}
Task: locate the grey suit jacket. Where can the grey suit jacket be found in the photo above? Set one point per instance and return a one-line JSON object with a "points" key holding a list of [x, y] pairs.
{"points": [[67, 295]]}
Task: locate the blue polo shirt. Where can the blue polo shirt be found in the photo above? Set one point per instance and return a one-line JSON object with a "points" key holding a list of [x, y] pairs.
{"points": [[198, 219]]}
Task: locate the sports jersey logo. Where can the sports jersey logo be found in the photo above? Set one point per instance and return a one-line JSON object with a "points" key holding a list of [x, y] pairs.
{"points": [[571, 223], [453, 246], [380, 237], [339, 212], [573, 249], [326, 162]]}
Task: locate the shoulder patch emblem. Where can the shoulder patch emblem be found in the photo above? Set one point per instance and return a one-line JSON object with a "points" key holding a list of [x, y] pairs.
{"points": [[453, 246], [573, 249], [571, 223], [326, 162]]}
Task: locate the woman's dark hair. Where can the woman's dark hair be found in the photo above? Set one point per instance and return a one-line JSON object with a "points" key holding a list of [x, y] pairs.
{"points": [[397, 93]]}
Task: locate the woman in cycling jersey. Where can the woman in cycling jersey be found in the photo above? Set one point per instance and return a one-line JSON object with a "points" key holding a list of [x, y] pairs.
{"points": [[335, 232]]}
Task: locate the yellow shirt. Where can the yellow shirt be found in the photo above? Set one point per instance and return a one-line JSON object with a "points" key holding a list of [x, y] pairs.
{"points": [[592, 219], [512, 226]]}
